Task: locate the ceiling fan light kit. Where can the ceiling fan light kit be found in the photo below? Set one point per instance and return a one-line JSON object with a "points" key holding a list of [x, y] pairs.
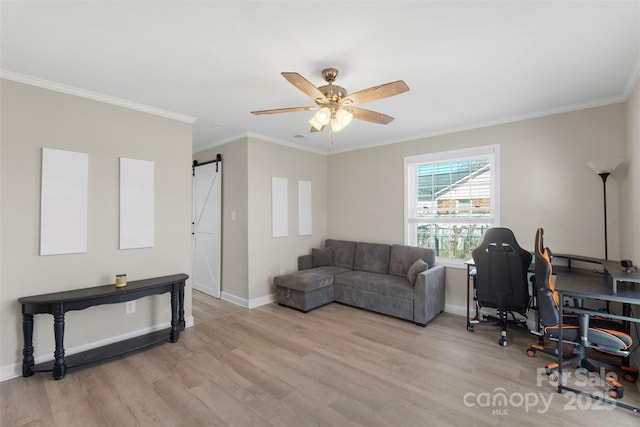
{"points": [[321, 118], [331, 100], [341, 120]]}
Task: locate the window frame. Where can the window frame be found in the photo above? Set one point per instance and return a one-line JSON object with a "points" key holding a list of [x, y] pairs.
{"points": [[490, 152]]}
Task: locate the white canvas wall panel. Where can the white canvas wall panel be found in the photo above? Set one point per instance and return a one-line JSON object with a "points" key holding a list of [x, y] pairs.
{"points": [[279, 207], [63, 202], [136, 203]]}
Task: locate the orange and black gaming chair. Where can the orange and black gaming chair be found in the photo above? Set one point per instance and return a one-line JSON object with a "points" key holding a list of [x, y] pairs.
{"points": [[500, 278], [581, 330]]}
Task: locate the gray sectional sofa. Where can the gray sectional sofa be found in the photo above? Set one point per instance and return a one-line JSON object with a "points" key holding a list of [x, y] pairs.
{"points": [[398, 280]]}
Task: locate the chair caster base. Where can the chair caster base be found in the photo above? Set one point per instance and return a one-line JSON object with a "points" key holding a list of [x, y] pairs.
{"points": [[629, 374]]}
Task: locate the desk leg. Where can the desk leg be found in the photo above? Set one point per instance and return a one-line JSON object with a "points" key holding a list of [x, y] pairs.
{"points": [[59, 364], [560, 347], [626, 311], [27, 351], [469, 327], [174, 335]]}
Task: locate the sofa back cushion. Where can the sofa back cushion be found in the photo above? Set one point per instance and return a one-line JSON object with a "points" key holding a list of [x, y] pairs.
{"points": [[403, 256], [372, 257], [343, 252]]}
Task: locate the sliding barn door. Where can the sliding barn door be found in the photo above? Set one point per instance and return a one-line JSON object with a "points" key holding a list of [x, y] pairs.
{"points": [[207, 213]]}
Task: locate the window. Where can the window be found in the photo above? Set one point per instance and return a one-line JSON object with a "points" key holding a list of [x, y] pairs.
{"points": [[451, 199]]}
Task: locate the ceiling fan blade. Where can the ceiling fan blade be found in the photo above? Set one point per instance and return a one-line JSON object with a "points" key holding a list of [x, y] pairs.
{"points": [[376, 92], [305, 86], [370, 116], [284, 110], [317, 130]]}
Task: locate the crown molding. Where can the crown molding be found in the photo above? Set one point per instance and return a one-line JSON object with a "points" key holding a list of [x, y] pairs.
{"points": [[550, 112], [261, 137], [285, 143], [70, 90]]}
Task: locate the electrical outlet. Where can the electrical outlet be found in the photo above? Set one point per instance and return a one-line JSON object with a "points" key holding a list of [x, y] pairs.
{"points": [[130, 307]]}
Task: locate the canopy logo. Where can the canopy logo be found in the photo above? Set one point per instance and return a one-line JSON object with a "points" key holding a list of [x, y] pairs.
{"points": [[500, 401]]}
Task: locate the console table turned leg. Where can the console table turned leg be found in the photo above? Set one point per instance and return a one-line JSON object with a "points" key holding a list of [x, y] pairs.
{"points": [[27, 351], [181, 321], [59, 364], [174, 335]]}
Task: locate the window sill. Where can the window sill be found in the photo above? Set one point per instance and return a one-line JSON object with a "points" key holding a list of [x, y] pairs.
{"points": [[452, 263]]}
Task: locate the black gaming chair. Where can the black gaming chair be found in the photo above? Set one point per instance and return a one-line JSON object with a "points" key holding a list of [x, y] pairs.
{"points": [[500, 278], [601, 334]]}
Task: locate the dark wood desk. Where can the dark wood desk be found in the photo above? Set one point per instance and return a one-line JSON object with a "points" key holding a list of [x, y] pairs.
{"points": [[57, 304]]}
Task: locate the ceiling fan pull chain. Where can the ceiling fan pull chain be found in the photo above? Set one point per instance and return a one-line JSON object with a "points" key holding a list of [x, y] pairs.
{"points": [[330, 139]]}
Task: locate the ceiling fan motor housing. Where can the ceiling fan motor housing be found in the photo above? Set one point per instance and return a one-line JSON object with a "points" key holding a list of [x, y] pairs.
{"points": [[332, 92]]}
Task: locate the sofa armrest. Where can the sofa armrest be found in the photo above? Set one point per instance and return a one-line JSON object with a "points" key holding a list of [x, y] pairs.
{"points": [[305, 262], [428, 295]]}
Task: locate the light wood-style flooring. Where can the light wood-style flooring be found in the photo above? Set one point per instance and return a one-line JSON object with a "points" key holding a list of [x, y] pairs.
{"points": [[334, 366]]}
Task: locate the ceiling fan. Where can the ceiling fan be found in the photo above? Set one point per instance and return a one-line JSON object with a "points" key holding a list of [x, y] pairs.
{"points": [[334, 107]]}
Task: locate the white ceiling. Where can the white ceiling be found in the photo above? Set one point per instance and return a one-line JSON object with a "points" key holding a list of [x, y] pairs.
{"points": [[467, 64]]}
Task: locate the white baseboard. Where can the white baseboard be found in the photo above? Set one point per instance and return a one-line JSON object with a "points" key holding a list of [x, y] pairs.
{"points": [[455, 309], [243, 302], [258, 302], [12, 371]]}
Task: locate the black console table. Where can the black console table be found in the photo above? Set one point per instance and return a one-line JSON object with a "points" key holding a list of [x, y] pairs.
{"points": [[57, 304]]}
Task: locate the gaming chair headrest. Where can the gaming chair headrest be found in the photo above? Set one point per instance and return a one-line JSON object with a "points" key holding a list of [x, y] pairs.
{"points": [[540, 249]]}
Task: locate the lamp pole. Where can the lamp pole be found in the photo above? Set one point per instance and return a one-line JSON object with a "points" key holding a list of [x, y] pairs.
{"points": [[604, 168], [604, 176]]}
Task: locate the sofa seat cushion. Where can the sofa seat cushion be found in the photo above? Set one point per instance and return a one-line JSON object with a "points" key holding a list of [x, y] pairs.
{"points": [[375, 282], [309, 280]]}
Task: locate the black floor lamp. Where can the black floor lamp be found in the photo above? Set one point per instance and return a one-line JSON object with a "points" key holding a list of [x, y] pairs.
{"points": [[604, 168]]}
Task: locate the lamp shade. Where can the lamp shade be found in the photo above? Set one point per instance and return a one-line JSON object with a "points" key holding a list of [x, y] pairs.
{"points": [[604, 166], [341, 120], [315, 123], [321, 118], [323, 115]]}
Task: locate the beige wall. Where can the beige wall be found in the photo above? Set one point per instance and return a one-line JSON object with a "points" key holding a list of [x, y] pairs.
{"points": [[33, 118], [251, 257], [630, 202], [545, 181], [630, 229], [272, 256]]}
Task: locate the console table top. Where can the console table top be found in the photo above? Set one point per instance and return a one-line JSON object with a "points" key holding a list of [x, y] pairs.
{"points": [[103, 291]]}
